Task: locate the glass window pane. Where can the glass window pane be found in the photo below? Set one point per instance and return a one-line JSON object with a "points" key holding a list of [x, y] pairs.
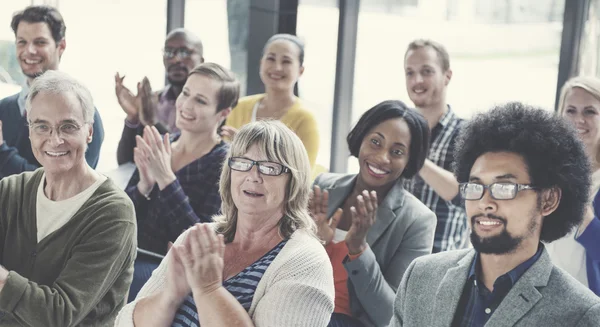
{"points": [[317, 26], [499, 50]]}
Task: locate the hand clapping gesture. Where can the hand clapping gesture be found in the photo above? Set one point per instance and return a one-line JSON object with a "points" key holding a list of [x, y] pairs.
{"points": [[139, 107], [201, 254], [363, 217], [152, 155], [318, 209]]}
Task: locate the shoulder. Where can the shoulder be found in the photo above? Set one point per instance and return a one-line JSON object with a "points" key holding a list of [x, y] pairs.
{"points": [[330, 180], [8, 103], [562, 284], [299, 112], [112, 202], [416, 206], [27, 181], [248, 101], [303, 251]]}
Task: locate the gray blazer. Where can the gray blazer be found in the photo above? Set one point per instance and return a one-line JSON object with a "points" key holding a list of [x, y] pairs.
{"points": [[544, 295], [403, 230]]}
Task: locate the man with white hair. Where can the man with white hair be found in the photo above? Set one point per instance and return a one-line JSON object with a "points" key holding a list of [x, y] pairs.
{"points": [[67, 233], [40, 43]]}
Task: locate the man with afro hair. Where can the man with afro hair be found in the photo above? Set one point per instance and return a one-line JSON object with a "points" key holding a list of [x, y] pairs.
{"points": [[524, 177]]}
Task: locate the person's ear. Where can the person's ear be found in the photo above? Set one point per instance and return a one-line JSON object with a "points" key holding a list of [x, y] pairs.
{"points": [[447, 76], [60, 47], [550, 200], [301, 71]]}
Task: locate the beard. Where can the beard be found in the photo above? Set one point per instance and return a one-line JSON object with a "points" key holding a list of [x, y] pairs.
{"points": [[502, 243], [177, 83]]}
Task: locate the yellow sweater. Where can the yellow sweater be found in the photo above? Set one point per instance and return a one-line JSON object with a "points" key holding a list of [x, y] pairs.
{"points": [[298, 119]]}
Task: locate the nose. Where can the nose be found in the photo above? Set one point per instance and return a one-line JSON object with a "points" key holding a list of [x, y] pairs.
{"points": [[254, 175], [487, 203], [31, 48], [383, 156], [418, 78]]}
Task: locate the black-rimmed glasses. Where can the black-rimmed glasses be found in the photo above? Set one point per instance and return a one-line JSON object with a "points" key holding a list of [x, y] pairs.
{"points": [[264, 167], [498, 191]]}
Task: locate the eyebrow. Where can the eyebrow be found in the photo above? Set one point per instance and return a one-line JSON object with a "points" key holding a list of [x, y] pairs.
{"points": [[66, 121], [397, 143], [500, 177], [197, 94]]}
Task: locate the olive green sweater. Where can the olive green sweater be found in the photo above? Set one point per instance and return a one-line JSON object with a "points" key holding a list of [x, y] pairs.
{"points": [[78, 275]]}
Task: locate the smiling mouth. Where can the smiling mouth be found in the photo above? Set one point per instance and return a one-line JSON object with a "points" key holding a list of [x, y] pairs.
{"points": [[376, 172], [56, 154], [32, 62], [253, 194], [186, 116]]}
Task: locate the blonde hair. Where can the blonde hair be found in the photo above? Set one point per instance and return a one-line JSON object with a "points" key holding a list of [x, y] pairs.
{"points": [[229, 92], [280, 145], [589, 84]]}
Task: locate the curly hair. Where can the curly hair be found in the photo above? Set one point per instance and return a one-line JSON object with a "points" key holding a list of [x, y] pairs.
{"points": [[550, 148], [390, 109]]}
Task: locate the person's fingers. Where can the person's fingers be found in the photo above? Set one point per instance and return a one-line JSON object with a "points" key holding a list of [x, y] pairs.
{"points": [[211, 236], [324, 201], [167, 143], [360, 206], [367, 201], [317, 198], [169, 246], [143, 146], [335, 219], [203, 239], [221, 245], [193, 244], [157, 137]]}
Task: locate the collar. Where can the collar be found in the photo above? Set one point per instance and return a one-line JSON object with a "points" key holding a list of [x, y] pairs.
{"points": [[168, 93], [447, 117], [23, 98], [513, 275]]}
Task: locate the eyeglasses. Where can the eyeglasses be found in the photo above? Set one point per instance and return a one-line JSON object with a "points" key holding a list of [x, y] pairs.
{"points": [[498, 191], [264, 167], [65, 129], [182, 53]]}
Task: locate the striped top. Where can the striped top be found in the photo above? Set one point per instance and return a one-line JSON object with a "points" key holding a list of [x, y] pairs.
{"points": [[242, 286]]}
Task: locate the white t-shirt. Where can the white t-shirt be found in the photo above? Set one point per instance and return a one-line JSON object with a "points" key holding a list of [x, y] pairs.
{"points": [[52, 215], [568, 254]]}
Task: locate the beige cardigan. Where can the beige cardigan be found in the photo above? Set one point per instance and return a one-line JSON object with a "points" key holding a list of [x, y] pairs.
{"points": [[295, 290]]}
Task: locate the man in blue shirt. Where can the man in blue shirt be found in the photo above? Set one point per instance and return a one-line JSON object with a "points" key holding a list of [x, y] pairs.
{"points": [[40, 43], [524, 177]]}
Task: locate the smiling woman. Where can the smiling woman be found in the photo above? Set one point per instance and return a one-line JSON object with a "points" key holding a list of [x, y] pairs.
{"points": [[280, 68], [260, 264], [372, 227]]}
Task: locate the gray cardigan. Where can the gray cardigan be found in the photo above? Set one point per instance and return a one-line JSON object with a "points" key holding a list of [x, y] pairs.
{"points": [[404, 230], [544, 295]]}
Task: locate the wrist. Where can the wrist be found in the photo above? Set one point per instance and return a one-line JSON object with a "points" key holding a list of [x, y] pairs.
{"points": [[170, 301], [356, 249], [144, 189], [165, 180], [206, 291], [132, 119]]}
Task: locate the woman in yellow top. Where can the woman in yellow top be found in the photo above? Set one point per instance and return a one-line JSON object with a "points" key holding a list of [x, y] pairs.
{"points": [[280, 67]]}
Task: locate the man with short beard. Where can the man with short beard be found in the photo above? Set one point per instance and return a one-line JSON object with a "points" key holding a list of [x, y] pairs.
{"points": [[183, 51], [525, 179], [40, 43]]}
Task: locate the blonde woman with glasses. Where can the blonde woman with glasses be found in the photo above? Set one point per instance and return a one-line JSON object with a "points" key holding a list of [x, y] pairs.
{"points": [[261, 263]]}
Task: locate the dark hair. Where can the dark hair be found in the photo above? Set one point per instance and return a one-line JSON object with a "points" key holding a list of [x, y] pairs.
{"points": [[550, 148], [439, 49], [229, 92], [289, 37], [41, 14], [390, 109]]}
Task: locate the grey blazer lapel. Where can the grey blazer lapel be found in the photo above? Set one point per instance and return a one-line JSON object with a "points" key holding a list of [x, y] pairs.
{"points": [[338, 193], [524, 294], [386, 212], [449, 292]]}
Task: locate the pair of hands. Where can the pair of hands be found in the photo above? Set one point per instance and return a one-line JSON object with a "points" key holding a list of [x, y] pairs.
{"points": [[229, 132], [363, 217], [139, 107], [196, 265], [152, 156]]}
